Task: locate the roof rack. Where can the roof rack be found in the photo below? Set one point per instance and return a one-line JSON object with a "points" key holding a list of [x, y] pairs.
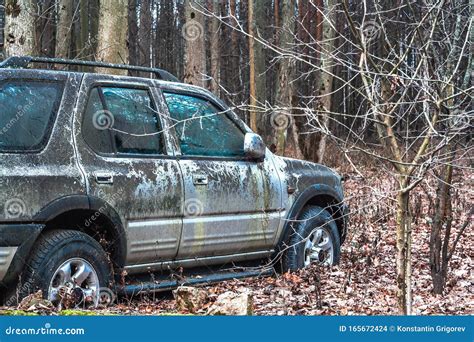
{"points": [[24, 61]]}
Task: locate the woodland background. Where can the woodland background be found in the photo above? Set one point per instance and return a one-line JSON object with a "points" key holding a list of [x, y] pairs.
{"points": [[379, 90]]}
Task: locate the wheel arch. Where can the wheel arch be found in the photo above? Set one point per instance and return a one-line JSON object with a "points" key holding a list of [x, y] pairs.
{"points": [[91, 215], [320, 195]]}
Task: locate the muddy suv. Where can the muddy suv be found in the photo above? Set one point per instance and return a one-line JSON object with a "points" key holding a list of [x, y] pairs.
{"points": [[104, 175]]}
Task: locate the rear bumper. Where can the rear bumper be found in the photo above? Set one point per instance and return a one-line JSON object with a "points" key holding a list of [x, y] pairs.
{"points": [[16, 241]]}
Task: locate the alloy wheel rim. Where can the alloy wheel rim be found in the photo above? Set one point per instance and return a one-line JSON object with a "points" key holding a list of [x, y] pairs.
{"points": [[76, 281], [319, 248]]}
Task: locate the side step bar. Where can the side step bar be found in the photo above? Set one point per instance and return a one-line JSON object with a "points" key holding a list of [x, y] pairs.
{"points": [[166, 285]]}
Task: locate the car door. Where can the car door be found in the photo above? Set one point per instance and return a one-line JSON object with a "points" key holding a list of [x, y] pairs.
{"points": [[232, 205], [128, 161]]}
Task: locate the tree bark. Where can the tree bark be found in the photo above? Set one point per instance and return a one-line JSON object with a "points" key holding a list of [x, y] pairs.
{"points": [[404, 292], [64, 28], [112, 45], [284, 91], [132, 32], [144, 33], [441, 227], [325, 81], [283, 120], [259, 77], [214, 36], [19, 28], [195, 52], [252, 85]]}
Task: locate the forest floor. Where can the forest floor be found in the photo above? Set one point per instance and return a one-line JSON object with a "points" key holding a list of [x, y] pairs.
{"points": [[364, 281]]}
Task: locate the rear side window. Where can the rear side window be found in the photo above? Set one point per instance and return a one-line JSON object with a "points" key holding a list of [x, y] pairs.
{"points": [[27, 111], [123, 121]]}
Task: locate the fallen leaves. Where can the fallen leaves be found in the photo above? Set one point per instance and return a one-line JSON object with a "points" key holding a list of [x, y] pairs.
{"points": [[364, 282]]}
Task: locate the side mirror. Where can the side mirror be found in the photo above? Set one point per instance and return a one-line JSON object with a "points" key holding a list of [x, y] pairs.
{"points": [[254, 148]]}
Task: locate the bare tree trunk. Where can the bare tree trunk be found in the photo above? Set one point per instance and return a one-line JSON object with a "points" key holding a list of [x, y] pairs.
{"points": [[276, 14], [325, 81], [45, 24], [404, 252], [144, 33], [2, 25], [195, 52], [214, 36], [64, 28], [133, 32], [252, 85], [284, 91], [441, 227], [19, 28], [283, 120], [258, 74], [112, 45]]}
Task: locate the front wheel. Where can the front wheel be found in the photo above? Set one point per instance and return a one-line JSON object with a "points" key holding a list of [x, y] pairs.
{"points": [[314, 239]]}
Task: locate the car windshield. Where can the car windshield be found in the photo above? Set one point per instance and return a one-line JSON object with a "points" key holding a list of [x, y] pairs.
{"points": [[27, 109]]}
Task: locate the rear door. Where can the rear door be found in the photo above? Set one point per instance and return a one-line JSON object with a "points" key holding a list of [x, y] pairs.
{"points": [[231, 204], [129, 163]]}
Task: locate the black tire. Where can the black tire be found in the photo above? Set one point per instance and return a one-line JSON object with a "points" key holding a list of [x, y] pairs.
{"points": [[311, 218], [50, 251]]}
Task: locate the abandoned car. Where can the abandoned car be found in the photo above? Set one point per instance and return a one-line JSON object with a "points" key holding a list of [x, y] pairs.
{"points": [[104, 175]]}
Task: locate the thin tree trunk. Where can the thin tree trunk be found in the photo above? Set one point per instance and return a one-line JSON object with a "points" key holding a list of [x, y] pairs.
{"points": [[325, 82], [112, 45], [252, 85], [144, 33], [404, 292], [284, 120], [195, 53], [132, 32], [19, 28], [45, 28], [276, 14], [284, 89], [441, 227], [214, 36], [64, 28]]}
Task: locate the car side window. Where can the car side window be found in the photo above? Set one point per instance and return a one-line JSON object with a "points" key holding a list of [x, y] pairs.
{"points": [[123, 121], [27, 111], [203, 129]]}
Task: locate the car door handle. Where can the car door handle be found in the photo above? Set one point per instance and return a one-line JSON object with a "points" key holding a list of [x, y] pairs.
{"points": [[200, 180], [104, 178]]}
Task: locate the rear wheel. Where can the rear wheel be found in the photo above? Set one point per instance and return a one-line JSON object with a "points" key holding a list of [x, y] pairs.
{"points": [[69, 267], [314, 239]]}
